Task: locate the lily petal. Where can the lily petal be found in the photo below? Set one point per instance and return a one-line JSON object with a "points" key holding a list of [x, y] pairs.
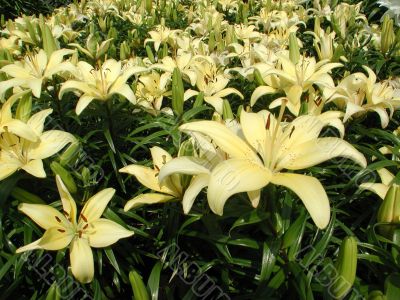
{"points": [[313, 152], [196, 185], [51, 142], [223, 137], [145, 199], [55, 238], [68, 203], [96, 205], [106, 233], [44, 215], [234, 176], [378, 188], [35, 168], [81, 257], [311, 192]]}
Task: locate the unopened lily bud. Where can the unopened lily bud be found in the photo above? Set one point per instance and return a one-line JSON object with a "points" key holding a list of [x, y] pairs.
{"points": [[102, 24], [31, 30], [65, 176], [149, 6], [387, 37], [177, 92], [211, 41], [49, 42], [24, 107], [112, 33], [24, 196], [125, 51], [227, 110], [258, 78], [103, 48], [346, 267], [150, 54], [70, 155], [376, 295], [389, 211], [294, 51]]}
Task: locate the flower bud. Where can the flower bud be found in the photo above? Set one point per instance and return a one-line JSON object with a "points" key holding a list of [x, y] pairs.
{"points": [[294, 51], [389, 211], [387, 36], [346, 267], [177, 92], [65, 176]]}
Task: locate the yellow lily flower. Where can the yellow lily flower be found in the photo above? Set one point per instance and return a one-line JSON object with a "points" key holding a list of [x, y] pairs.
{"points": [[102, 83], [294, 79], [160, 35], [19, 153], [152, 89], [15, 126], [183, 62], [360, 94], [170, 189], [36, 69], [212, 83], [268, 147], [62, 229]]}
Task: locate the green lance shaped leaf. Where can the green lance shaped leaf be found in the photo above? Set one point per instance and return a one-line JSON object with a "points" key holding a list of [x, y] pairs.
{"points": [[346, 267], [53, 292], [177, 92], [199, 100]]}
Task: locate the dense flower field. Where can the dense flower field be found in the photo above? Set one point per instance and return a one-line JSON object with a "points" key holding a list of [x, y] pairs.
{"points": [[201, 150]]}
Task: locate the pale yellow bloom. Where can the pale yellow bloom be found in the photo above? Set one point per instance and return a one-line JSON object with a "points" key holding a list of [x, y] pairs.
{"points": [[359, 94], [35, 69], [19, 153], [62, 229], [294, 79], [101, 84], [171, 188], [269, 147]]}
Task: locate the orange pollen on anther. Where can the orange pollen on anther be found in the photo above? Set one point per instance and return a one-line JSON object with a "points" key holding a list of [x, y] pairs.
{"points": [[61, 230], [268, 122], [83, 218], [86, 226], [80, 233], [58, 219]]}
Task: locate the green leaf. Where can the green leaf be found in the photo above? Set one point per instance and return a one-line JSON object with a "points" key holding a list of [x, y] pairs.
{"points": [[154, 281], [138, 287]]}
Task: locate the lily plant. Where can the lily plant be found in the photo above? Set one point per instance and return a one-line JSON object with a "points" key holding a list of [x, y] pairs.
{"points": [[35, 69], [263, 149], [18, 153], [63, 230], [101, 83]]}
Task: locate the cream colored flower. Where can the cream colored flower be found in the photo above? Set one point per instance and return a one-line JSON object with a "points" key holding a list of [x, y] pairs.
{"points": [[35, 69], [62, 229], [19, 153], [101, 84]]}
